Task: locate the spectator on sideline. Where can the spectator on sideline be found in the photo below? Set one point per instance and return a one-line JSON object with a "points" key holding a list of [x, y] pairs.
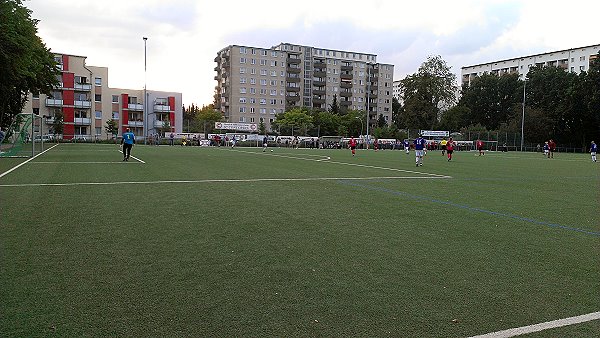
{"points": [[593, 149], [172, 139], [127, 141], [419, 143]]}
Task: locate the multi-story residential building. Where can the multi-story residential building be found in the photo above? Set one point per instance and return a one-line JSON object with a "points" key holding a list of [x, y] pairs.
{"points": [[87, 103], [397, 90], [255, 84], [573, 60]]}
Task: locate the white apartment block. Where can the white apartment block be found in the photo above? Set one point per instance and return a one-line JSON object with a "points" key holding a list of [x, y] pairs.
{"points": [[254, 84], [87, 103], [573, 60]]}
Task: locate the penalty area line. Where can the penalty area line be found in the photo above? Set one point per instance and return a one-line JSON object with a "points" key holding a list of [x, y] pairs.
{"points": [[133, 157], [542, 326], [19, 165], [224, 181]]}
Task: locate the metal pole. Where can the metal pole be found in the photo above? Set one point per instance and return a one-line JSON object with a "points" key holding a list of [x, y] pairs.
{"points": [[523, 117], [368, 99], [145, 97]]}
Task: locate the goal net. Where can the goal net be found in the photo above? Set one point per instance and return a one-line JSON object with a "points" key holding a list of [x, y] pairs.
{"points": [[23, 138]]}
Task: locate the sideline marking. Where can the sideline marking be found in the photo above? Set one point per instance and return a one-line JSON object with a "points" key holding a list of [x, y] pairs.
{"points": [[542, 326], [224, 181], [328, 159], [56, 162], [14, 168], [466, 207]]}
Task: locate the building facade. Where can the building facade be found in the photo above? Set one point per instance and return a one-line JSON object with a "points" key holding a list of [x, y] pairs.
{"points": [[87, 103], [254, 84], [573, 60]]}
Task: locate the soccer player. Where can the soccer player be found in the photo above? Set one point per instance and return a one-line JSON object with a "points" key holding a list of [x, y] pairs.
{"points": [[265, 143], [406, 146], [352, 145], [127, 141], [546, 149], [419, 143], [593, 149], [450, 148], [443, 143], [552, 147], [479, 144]]}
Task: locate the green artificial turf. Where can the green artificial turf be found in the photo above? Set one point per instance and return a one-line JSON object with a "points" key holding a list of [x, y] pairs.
{"points": [[215, 242]]}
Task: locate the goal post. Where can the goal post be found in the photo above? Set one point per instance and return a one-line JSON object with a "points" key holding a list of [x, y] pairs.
{"points": [[24, 137]]}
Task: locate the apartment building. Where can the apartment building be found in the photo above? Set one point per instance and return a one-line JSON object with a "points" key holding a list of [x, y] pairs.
{"points": [[87, 103], [573, 60], [254, 84]]}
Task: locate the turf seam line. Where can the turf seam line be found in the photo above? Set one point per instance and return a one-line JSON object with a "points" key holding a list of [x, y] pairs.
{"points": [[225, 181], [19, 165], [541, 326], [466, 207]]}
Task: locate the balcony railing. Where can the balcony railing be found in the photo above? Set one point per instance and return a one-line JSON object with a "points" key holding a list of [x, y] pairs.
{"points": [[50, 120], [83, 104], [136, 123], [159, 124], [83, 87], [82, 121], [161, 108], [319, 83], [54, 102], [135, 106]]}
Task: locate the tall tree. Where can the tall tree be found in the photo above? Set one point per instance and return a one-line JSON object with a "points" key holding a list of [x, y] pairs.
{"points": [[27, 65], [296, 119], [427, 93], [335, 108], [207, 116]]}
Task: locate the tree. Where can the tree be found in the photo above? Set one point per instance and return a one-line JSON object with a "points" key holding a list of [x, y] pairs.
{"points": [[334, 108], [296, 117], [207, 116], [111, 127], [27, 65], [428, 93], [58, 123], [164, 128], [262, 130]]}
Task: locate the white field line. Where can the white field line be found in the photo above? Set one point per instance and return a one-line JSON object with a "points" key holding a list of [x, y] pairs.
{"points": [[22, 163], [328, 159], [542, 326], [97, 162], [222, 181], [133, 157]]}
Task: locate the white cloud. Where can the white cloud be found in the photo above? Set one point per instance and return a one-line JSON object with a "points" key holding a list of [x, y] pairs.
{"points": [[185, 35]]}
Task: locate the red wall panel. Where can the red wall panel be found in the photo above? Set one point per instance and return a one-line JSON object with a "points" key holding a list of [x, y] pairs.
{"points": [[124, 101], [68, 80], [68, 131], [68, 97], [172, 114], [65, 60]]}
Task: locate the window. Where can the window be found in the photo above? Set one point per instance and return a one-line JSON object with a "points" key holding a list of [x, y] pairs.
{"points": [[582, 68], [273, 101], [115, 99], [263, 72], [242, 80], [263, 110], [98, 81], [36, 111], [242, 119], [273, 92], [98, 115], [582, 58], [243, 50], [252, 61], [252, 90], [273, 82], [242, 100], [35, 95], [274, 54], [242, 110], [263, 62], [98, 130], [98, 97], [252, 120], [263, 52], [263, 101], [253, 71], [243, 70], [252, 100], [115, 115], [252, 80], [80, 79], [273, 73], [263, 82], [242, 60], [242, 90], [273, 63], [263, 91], [251, 110]]}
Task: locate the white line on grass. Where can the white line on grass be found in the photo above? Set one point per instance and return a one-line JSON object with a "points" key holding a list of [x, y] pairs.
{"points": [[56, 162], [328, 159], [542, 326], [223, 181], [17, 166], [133, 157]]}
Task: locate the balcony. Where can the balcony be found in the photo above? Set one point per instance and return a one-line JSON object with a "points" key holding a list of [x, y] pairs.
{"points": [[292, 98], [135, 106], [292, 79], [345, 103], [160, 124], [346, 76], [319, 91], [294, 61], [292, 89], [82, 121], [158, 108], [293, 70], [319, 83], [85, 87], [345, 84], [83, 104], [318, 101], [320, 65], [136, 123], [54, 102], [50, 120], [345, 94], [347, 68], [319, 73]]}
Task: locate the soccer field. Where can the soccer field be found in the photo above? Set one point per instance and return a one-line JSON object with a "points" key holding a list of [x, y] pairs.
{"points": [[220, 242]]}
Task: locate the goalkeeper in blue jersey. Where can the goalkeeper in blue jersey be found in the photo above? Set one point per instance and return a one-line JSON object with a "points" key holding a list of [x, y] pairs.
{"points": [[593, 150], [127, 142]]}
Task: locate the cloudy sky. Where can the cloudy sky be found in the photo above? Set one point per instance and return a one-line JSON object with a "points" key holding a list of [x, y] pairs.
{"points": [[185, 35]]}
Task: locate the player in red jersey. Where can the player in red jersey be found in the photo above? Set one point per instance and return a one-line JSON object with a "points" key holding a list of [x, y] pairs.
{"points": [[352, 145], [450, 148]]}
